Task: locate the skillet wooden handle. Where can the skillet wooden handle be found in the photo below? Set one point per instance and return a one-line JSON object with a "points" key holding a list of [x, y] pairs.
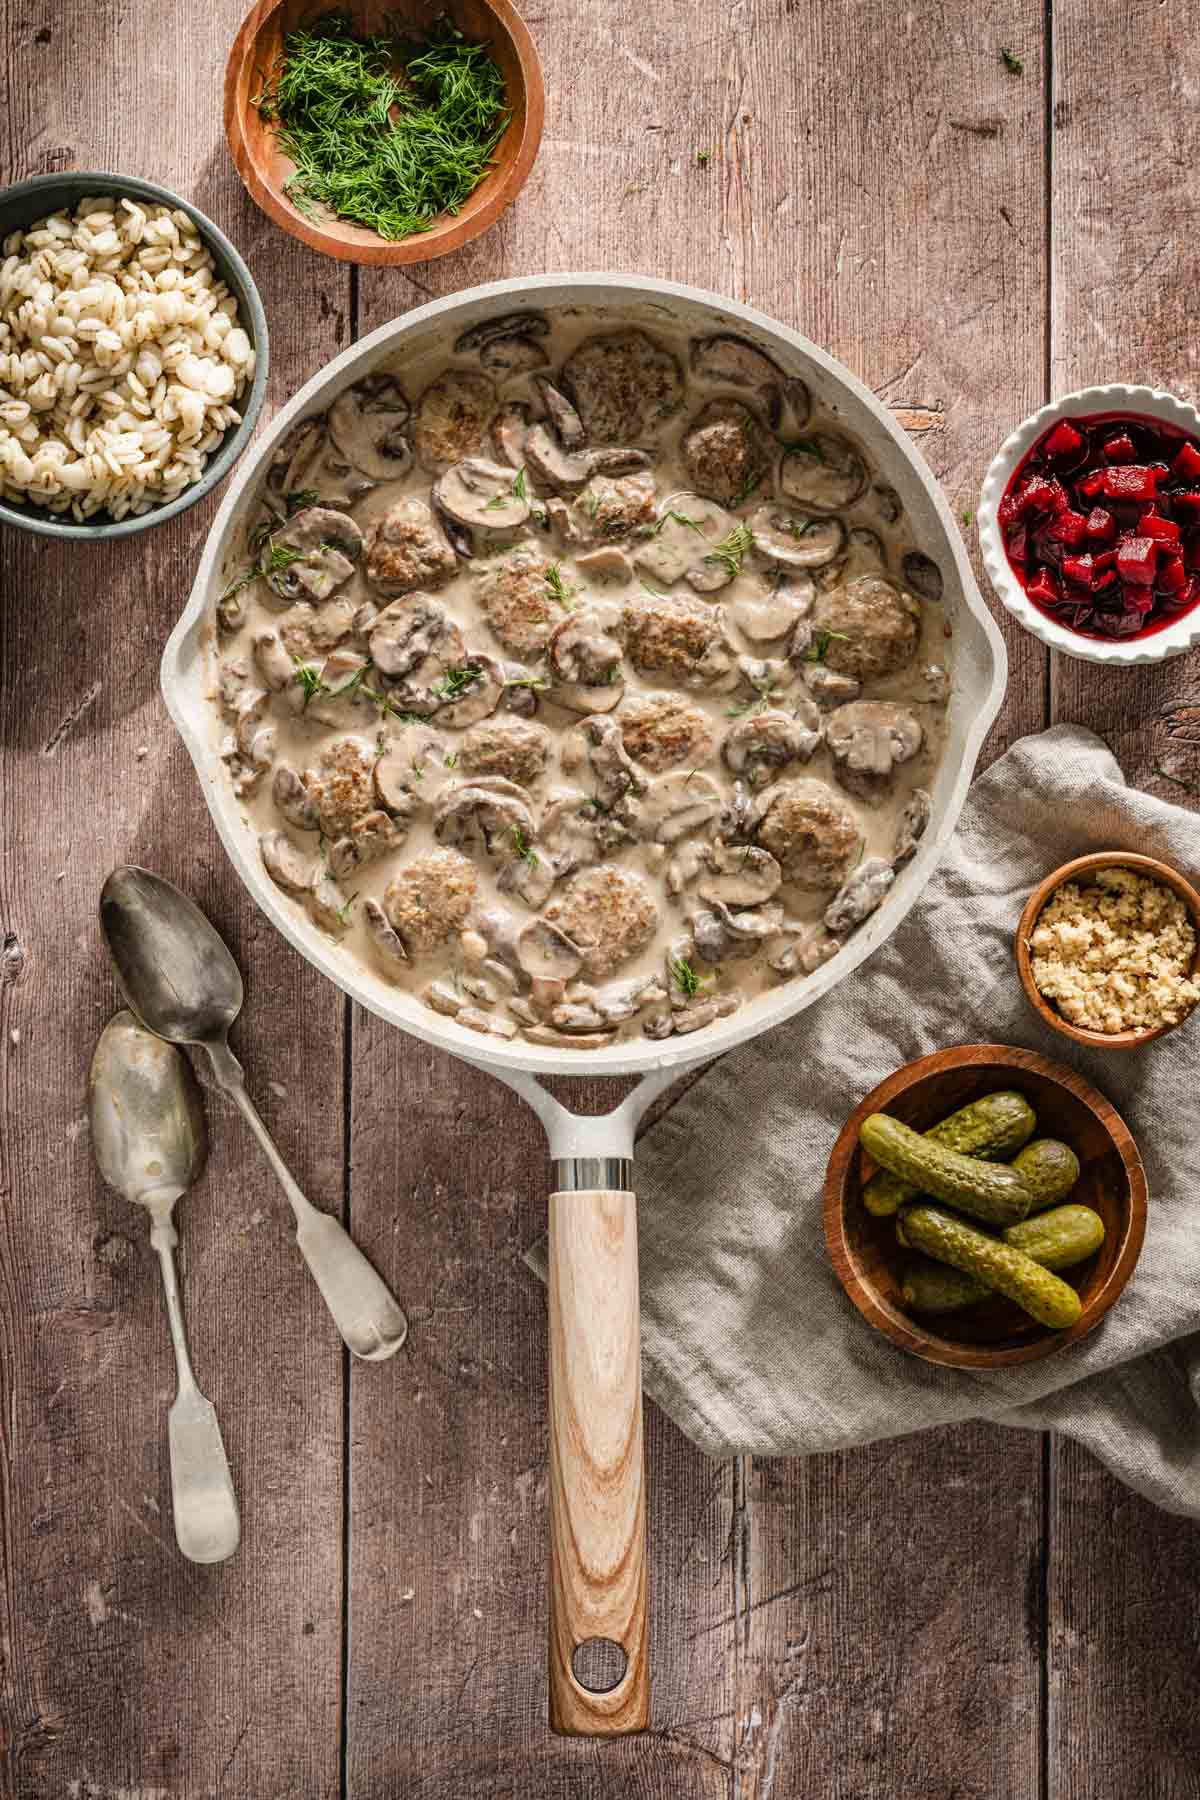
{"points": [[597, 1493]]}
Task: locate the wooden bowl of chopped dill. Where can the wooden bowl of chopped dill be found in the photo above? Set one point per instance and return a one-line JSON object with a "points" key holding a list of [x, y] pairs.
{"points": [[384, 133]]}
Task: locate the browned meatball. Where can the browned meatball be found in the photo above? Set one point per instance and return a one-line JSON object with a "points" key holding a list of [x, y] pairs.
{"points": [[811, 834], [454, 416], [408, 551], [873, 627], [726, 452], [624, 385], [342, 786], [430, 899], [611, 507], [516, 601], [680, 637], [662, 730], [509, 747], [609, 912]]}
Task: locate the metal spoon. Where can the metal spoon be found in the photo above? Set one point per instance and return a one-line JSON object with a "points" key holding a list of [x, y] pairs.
{"points": [[181, 981], [149, 1140]]}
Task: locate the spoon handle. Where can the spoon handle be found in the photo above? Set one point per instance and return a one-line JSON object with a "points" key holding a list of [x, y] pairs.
{"points": [[207, 1527], [368, 1318]]}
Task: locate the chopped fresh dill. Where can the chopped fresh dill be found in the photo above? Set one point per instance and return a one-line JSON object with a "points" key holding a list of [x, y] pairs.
{"points": [[703, 156], [679, 519], [354, 682], [686, 978], [731, 549], [968, 517], [450, 760], [1012, 62], [658, 593], [390, 132], [237, 584], [804, 447], [558, 588], [536, 682], [311, 682], [740, 708], [747, 488], [296, 499], [520, 491], [523, 849], [418, 769], [281, 556], [819, 649], [455, 682], [612, 675], [862, 851]]}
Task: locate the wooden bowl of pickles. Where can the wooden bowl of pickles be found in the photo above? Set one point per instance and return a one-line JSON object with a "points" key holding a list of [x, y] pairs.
{"points": [[984, 1206]]}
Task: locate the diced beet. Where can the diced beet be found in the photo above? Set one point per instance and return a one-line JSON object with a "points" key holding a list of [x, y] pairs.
{"points": [[1172, 576], [1091, 485], [1101, 525], [1064, 443], [1186, 466], [1136, 561], [1042, 494], [1077, 617], [1163, 531], [1191, 555], [1132, 481], [1138, 597], [1187, 505], [1078, 569], [1044, 589], [1016, 543], [1007, 511], [1069, 528], [1119, 448]]}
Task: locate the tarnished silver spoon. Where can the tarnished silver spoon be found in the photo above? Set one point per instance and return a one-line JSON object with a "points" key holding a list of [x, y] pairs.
{"points": [[149, 1141], [181, 981]]}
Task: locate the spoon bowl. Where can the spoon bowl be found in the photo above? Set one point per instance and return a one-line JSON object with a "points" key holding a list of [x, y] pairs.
{"points": [[173, 967]]}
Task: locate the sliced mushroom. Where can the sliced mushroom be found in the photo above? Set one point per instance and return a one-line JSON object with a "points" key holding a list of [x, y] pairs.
{"points": [[605, 564], [868, 738], [516, 324], [508, 433], [506, 357], [922, 575], [563, 1040], [384, 941], [827, 686], [408, 632], [911, 829], [374, 835], [288, 868], [695, 1018], [860, 894], [756, 924], [327, 904], [565, 470], [308, 462], [767, 615], [583, 648], [733, 362], [474, 817], [461, 703], [799, 401], [615, 771], [293, 799], [546, 953], [531, 877], [368, 423], [767, 676], [678, 804], [865, 554], [825, 472], [685, 865], [886, 502], [272, 661], [740, 875], [794, 540], [937, 683], [576, 831], [758, 746], [481, 494], [312, 554], [801, 950], [688, 526], [565, 420]]}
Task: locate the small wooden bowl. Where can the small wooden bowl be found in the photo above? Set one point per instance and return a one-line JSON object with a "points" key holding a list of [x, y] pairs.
{"points": [[264, 169], [1148, 866], [995, 1333]]}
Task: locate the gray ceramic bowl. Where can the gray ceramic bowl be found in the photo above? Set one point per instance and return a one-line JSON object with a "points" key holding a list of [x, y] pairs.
{"points": [[31, 200]]}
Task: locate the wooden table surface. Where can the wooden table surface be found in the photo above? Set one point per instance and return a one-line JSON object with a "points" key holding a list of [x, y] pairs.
{"points": [[970, 1613]]}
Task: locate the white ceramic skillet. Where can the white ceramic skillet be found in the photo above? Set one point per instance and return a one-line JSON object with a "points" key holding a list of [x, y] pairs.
{"points": [[599, 1675]]}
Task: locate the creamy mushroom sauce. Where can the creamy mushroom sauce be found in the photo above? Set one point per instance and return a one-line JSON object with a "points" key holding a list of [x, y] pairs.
{"points": [[591, 684]]}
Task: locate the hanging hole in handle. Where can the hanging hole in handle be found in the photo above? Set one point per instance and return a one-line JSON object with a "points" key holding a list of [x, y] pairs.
{"points": [[599, 1665]]}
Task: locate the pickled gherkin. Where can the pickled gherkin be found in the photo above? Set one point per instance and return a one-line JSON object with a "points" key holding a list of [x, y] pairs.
{"points": [[1007, 1270], [986, 1190], [1048, 1169], [991, 1127], [1058, 1239]]}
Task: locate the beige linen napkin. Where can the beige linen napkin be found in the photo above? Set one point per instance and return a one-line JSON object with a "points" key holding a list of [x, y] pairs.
{"points": [[750, 1343]]}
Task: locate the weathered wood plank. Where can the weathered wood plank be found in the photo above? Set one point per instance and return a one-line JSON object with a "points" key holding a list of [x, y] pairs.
{"points": [[124, 1669], [1124, 1579]]}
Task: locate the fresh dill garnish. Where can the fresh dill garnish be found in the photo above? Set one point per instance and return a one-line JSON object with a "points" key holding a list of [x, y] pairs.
{"points": [[450, 760], [296, 499], [590, 503], [731, 549], [311, 682], [967, 517], [679, 519], [612, 675], [862, 851], [386, 131], [354, 683], [740, 708], [523, 849], [418, 769], [747, 488], [558, 589], [520, 491], [281, 556], [819, 649], [658, 593], [703, 156], [343, 911], [1012, 62], [686, 978], [804, 447], [537, 683], [455, 682], [237, 584]]}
